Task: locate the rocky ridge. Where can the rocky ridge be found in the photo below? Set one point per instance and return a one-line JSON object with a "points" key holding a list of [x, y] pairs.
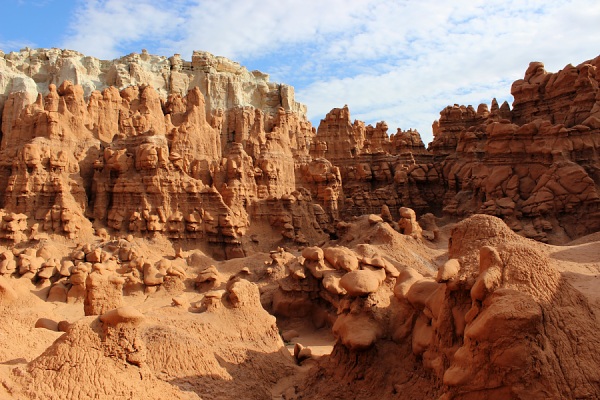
{"points": [[190, 150], [206, 150], [132, 188]]}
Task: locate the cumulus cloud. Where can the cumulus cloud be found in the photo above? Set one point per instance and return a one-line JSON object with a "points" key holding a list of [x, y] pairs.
{"points": [[107, 28], [399, 61]]}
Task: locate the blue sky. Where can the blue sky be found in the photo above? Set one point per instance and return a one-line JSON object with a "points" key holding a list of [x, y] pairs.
{"points": [[400, 61]]}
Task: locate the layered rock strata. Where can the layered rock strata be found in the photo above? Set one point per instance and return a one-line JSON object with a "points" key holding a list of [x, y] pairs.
{"points": [[206, 150], [145, 144], [535, 165]]}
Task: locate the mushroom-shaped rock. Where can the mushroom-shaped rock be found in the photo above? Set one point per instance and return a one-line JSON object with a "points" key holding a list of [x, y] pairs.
{"points": [[244, 293], [210, 275], [313, 253], [374, 261], [215, 294], [386, 215], [331, 282], [66, 267], [47, 270], [8, 265], [405, 280], [296, 269], [94, 256], [391, 270], [449, 270], [176, 270], [163, 265], [152, 275], [30, 265], [301, 352], [341, 258], [357, 332], [87, 248], [79, 273], [46, 252], [374, 219], [212, 299], [58, 292], [380, 262], [408, 222], [317, 268], [420, 291], [123, 315], [360, 282], [490, 273]]}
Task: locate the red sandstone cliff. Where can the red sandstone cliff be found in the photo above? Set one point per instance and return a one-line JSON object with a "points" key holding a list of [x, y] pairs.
{"points": [[208, 150]]}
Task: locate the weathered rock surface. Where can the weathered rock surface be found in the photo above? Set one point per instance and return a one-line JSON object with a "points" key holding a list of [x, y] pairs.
{"points": [[144, 144], [126, 182], [535, 166], [206, 150], [498, 323]]}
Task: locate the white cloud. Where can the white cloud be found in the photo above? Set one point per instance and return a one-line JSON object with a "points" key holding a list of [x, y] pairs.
{"points": [[105, 28], [470, 55], [15, 45], [401, 61]]}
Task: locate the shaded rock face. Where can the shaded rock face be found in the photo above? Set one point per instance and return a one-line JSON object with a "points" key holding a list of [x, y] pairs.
{"points": [[377, 169], [496, 323]]}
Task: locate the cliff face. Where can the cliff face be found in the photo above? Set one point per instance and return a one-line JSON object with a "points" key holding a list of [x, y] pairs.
{"points": [[148, 144], [535, 166], [208, 150], [377, 169]]}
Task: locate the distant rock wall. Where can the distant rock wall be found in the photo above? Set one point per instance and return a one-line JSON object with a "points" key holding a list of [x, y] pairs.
{"points": [[537, 166]]}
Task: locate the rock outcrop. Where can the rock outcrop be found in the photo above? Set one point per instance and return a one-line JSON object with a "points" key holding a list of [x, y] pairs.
{"points": [[535, 165], [495, 323], [130, 186], [206, 150], [144, 144]]}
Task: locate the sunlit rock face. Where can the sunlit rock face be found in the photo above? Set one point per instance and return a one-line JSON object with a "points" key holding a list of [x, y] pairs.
{"points": [[203, 149], [535, 166], [148, 144]]}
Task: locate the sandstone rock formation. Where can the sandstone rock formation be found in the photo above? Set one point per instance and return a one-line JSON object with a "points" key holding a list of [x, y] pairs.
{"points": [[206, 150], [535, 166], [165, 224], [496, 323], [192, 150]]}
